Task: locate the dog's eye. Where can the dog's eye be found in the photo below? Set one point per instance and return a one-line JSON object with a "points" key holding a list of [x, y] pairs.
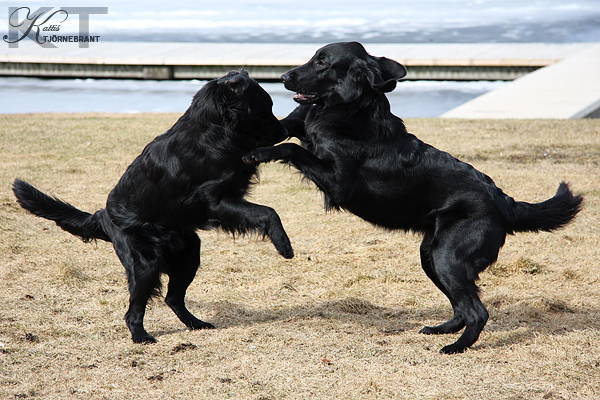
{"points": [[321, 63]]}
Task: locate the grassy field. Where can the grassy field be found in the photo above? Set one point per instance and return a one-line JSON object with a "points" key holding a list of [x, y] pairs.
{"points": [[339, 321]]}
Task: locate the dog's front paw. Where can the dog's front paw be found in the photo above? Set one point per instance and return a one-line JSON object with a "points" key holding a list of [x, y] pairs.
{"points": [[258, 156]]}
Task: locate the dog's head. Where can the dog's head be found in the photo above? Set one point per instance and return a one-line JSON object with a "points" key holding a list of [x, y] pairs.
{"points": [[342, 73], [239, 103], [250, 107]]}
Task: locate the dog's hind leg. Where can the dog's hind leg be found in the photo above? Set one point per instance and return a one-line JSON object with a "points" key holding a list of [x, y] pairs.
{"points": [[143, 277], [182, 267], [463, 295], [456, 323], [457, 254]]}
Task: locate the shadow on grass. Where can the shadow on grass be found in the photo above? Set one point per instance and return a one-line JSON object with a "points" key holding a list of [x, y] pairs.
{"points": [[511, 321]]}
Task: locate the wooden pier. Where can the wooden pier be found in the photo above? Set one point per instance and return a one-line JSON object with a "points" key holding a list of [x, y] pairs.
{"points": [[267, 61], [576, 79]]}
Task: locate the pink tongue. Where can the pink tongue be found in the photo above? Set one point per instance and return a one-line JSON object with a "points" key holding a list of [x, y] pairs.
{"points": [[299, 96]]}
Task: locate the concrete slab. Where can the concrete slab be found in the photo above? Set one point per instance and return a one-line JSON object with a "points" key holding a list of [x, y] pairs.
{"points": [[567, 89]]}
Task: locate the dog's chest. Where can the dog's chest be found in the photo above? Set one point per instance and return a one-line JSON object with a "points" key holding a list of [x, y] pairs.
{"points": [[320, 145]]}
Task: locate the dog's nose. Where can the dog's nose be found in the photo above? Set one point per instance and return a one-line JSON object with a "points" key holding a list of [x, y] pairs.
{"points": [[285, 77]]}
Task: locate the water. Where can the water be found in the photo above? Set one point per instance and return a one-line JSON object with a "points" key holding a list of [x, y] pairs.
{"points": [[308, 21], [26, 95]]}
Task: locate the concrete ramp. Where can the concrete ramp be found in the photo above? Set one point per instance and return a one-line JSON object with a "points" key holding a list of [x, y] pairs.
{"points": [[568, 89]]}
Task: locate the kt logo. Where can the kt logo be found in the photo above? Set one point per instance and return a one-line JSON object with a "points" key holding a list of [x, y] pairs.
{"points": [[38, 24]]}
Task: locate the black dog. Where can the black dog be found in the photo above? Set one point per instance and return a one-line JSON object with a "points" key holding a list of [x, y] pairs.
{"points": [[191, 177], [363, 159]]}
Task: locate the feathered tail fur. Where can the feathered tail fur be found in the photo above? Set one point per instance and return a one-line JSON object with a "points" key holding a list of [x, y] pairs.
{"points": [[548, 215], [80, 223]]}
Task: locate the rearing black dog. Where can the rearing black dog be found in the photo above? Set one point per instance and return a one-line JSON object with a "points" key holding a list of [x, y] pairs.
{"points": [[363, 159], [191, 177]]}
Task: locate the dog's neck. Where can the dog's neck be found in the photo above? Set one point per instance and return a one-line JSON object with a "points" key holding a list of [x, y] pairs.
{"points": [[372, 108]]}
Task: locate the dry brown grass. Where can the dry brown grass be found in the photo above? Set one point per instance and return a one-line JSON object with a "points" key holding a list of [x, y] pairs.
{"points": [[339, 321]]}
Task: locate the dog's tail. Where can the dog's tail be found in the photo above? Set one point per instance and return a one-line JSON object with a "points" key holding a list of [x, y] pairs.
{"points": [[85, 225], [548, 215]]}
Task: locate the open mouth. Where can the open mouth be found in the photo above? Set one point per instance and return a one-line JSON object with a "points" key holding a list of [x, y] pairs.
{"points": [[304, 98]]}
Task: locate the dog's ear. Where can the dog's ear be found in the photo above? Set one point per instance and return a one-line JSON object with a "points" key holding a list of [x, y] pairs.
{"points": [[390, 72], [242, 71], [236, 82], [351, 87], [379, 72]]}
